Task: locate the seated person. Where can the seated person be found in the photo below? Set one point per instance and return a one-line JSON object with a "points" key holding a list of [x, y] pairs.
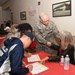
{"points": [[12, 32], [15, 62], [26, 27], [7, 29], [65, 48], [2, 31], [8, 23], [27, 53]]}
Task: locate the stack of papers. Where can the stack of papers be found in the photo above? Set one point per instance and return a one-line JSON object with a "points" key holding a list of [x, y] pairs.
{"points": [[37, 68], [34, 58]]}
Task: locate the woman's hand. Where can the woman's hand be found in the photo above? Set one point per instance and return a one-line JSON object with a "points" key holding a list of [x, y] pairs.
{"points": [[43, 60]]}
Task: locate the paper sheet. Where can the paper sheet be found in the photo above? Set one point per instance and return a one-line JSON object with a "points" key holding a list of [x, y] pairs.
{"points": [[34, 58], [37, 68]]}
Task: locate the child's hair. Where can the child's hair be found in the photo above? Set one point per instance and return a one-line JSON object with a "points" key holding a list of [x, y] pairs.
{"points": [[13, 27], [26, 50], [25, 27], [66, 39]]}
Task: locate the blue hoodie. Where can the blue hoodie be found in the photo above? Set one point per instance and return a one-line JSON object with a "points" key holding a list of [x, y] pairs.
{"points": [[16, 56]]}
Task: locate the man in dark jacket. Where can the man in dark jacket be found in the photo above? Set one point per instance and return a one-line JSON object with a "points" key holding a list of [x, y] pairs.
{"points": [[17, 53]]}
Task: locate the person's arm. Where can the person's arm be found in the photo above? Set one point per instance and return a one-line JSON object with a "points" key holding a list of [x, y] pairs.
{"points": [[55, 47], [54, 58], [16, 61], [51, 58], [38, 35], [69, 50]]}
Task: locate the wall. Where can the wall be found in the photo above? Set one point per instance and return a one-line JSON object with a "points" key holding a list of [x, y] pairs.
{"points": [[24, 5], [6, 5], [63, 23], [6, 15], [67, 22], [1, 16]]}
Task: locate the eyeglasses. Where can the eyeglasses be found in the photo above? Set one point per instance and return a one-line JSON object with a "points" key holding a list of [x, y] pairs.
{"points": [[45, 21]]}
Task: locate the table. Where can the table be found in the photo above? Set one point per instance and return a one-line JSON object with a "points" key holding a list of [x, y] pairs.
{"points": [[2, 38], [54, 67]]}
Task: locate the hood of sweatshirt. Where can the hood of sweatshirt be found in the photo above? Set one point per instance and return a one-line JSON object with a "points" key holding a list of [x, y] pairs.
{"points": [[12, 41]]}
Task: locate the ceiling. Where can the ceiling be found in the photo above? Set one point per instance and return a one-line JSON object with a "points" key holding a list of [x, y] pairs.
{"points": [[3, 2]]}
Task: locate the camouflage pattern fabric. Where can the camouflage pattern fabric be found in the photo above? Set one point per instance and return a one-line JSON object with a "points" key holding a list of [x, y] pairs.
{"points": [[44, 35]]}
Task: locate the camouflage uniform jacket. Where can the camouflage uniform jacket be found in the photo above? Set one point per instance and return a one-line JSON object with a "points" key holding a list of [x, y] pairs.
{"points": [[44, 35]]}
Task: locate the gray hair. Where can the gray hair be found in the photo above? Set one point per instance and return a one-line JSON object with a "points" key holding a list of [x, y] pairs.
{"points": [[42, 14], [67, 36], [66, 39]]}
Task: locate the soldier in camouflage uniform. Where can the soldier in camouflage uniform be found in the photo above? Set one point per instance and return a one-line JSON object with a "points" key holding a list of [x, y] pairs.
{"points": [[44, 32]]}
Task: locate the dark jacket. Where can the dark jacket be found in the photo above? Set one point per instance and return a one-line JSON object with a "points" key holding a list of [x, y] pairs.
{"points": [[69, 50], [16, 57]]}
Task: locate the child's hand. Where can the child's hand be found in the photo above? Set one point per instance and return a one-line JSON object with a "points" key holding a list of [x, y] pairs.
{"points": [[28, 54], [30, 67]]}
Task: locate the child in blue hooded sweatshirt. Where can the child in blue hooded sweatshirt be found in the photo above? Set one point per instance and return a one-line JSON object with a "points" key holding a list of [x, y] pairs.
{"points": [[17, 53]]}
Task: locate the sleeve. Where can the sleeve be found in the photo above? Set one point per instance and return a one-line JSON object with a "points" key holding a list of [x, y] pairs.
{"points": [[38, 35], [55, 47], [54, 58], [16, 61]]}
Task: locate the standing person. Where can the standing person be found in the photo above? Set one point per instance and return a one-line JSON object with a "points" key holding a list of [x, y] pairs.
{"points": [[44, 32], [16, 55], [8, 24], [65, 48]]}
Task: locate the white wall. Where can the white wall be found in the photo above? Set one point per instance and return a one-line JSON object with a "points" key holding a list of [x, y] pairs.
{"points": [[1, 16], [67, 22], [6, 15], [24, 5], [63, 23], [6, 5]]}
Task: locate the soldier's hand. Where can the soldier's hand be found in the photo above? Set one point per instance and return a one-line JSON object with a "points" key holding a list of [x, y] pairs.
{"points": [[48, 44]]}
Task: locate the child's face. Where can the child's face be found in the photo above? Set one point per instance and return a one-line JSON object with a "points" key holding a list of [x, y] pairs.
{"points": [[27, 43], [29, 30], [27, 54]]}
